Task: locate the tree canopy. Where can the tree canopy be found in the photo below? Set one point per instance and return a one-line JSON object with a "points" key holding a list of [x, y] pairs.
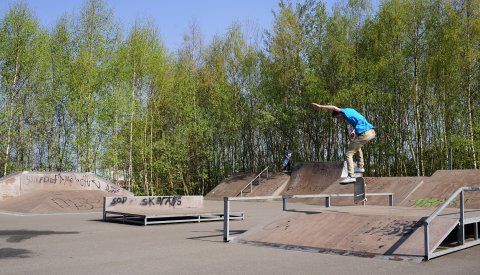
{"points": [[85, 96]]}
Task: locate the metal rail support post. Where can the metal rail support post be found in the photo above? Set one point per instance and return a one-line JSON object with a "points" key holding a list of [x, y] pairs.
{"points": [[475, 234], [461, 235], [104, 209], [226, 220], [390, 200], [426, 241], [327, 202]]}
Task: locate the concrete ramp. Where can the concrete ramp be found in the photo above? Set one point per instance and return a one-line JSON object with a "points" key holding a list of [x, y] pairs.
{"points": [[435, 189], [25, 182], [231, 186], [369, 231], [47, 201], [313, 177], [401, 187], [272, 186]]}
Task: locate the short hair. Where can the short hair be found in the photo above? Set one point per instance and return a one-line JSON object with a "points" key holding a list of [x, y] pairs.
{"points": [[336, 113]]}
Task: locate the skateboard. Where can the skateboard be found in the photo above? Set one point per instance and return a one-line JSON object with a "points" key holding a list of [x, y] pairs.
{"points": [[359, 191]]}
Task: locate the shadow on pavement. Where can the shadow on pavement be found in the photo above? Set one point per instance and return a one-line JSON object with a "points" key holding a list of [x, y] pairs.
{"points": [[216, 236], [16, 236]]}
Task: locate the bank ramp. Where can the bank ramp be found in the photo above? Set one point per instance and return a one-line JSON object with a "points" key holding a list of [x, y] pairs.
{"points": [[430, 216], [373, 231], [314, 177], [60, 201], [401, 187], [434, 190], [55, 192], [266, 183]]}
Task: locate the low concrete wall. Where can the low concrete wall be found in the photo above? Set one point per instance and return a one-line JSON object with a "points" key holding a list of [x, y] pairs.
{"points": [[126, 204], [23, 182]]}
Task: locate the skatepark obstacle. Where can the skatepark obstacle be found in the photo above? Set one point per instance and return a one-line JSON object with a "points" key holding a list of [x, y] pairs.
{"points": [[145, 210], [369, 231], [252, 182], [20, 183], [284, 198], [460, 224]]}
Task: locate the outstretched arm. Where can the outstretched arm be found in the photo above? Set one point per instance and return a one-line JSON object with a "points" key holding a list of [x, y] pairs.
{"points": [[328, 107]]}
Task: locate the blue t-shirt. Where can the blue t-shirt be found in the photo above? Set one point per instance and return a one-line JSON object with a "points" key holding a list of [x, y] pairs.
{"points": [[358, 122]]}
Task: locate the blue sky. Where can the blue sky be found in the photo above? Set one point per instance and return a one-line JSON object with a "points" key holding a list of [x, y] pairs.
{"points": [[172, 17]]}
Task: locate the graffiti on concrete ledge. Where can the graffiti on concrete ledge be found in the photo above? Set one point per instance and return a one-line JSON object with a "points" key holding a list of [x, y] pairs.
{"points": [[151, 201], [69, 179]]}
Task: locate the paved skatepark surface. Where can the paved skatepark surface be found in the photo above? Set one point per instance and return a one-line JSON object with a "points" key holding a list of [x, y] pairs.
{"points": [[83, 244], [56, 231]]}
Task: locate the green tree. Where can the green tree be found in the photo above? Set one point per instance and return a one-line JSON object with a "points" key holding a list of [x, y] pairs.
{"points": [[20, 41], [96, 38]]}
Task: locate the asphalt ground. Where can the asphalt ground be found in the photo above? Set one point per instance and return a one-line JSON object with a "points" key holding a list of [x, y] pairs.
{"points": [[83, 244]]}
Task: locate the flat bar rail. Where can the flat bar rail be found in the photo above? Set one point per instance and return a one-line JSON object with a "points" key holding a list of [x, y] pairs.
{"points": [[253, 180], [148, 219], [284, 198], [429, 253]]}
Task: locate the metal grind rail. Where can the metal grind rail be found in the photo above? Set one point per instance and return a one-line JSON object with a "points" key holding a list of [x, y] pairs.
{"points": [[148, 219], [462, 221], [284, 198], [250, 184]]}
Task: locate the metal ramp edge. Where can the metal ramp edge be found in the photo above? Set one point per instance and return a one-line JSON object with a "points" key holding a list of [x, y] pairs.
{"points": [[147, 219], [444, 237], [339, 252], [274, 232], [474, 219]]}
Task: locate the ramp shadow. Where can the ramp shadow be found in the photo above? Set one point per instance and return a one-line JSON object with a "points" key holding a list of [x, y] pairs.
{"points": [[16, 236], [406, 233], [308, 212], [8, 252], [220, 234]]}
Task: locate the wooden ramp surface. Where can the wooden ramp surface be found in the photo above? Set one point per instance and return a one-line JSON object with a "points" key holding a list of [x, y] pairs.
{"points": [[270, 186], [438, 187], [313, 177], [231, 186], [370, 230], [401, 187]]}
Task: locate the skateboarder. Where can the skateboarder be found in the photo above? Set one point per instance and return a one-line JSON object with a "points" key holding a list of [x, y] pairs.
{"points": [[362, 132], [287, 155]]}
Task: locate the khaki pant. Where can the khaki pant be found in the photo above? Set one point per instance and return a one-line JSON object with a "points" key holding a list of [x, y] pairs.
{"points": [[356, 147]]}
